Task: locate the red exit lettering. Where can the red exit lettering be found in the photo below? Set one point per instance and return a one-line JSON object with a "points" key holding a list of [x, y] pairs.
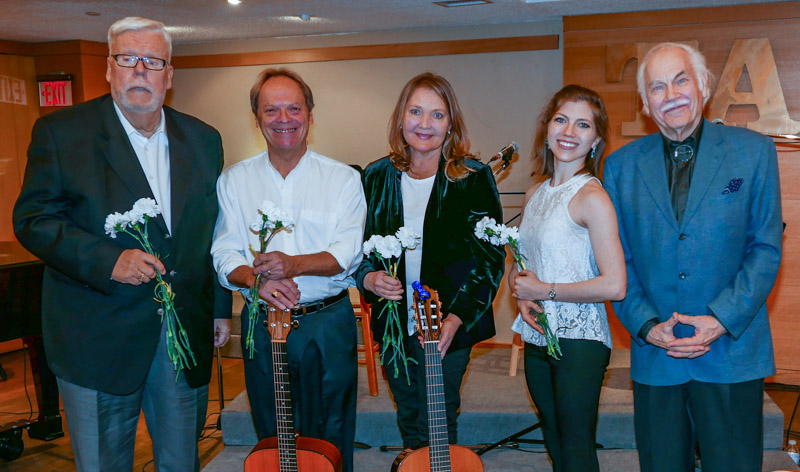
{"points": [[55, 93]]}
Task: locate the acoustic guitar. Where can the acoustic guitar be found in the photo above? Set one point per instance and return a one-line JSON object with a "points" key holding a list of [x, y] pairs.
{"points": [[440, 456], [288, 451]]}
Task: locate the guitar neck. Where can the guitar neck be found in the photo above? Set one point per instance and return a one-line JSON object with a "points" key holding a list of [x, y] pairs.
{"points": [[437, 414], [287, 444]]}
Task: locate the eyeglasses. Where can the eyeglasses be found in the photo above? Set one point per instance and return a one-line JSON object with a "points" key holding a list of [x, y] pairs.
{"points": [[130, 61]]}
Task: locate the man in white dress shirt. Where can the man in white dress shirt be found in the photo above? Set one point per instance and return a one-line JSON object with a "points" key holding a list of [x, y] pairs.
{"points": [[306, 270]]}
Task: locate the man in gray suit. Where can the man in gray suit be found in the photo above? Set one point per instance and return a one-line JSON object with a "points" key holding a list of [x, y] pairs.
{"points": [[102, 330], [700, 222]]}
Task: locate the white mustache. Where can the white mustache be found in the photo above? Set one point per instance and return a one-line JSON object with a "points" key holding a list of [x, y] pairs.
{"points": [[674, 104]]}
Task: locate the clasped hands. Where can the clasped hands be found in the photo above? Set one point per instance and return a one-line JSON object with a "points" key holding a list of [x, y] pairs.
{"points": [[707, 329], [382, 284], [277, 287]]}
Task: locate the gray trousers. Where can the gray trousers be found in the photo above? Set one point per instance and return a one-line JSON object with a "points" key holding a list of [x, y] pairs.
{"points": [[102, 426]]}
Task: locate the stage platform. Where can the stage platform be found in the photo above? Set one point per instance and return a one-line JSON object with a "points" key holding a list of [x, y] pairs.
{"points": [[494, 406]]}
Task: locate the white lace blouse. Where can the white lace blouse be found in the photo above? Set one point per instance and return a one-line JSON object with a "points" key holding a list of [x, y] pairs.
{"points": [[559, 250]]}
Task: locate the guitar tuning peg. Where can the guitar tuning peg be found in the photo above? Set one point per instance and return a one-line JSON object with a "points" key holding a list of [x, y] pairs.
{"points": [[295, 324]]}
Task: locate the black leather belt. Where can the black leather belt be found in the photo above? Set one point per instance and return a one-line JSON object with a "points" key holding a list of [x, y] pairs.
{"points": [[312, 307]]}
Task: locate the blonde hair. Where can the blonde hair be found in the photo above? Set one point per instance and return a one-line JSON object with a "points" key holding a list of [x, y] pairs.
{"points": [[456, 144]]}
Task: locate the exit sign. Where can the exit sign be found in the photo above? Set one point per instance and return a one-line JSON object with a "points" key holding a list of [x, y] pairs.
{"points": [[55, 93]]}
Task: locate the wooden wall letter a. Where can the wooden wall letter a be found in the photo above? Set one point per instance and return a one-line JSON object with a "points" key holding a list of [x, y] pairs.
{"points": [[767, 94]]}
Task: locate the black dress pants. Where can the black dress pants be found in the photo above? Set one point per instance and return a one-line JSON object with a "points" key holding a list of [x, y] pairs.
{"points": [[566, 393], [323, 374], [411, 400], [726, 421]]}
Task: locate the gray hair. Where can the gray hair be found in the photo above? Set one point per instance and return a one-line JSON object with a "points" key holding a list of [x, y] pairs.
{"points": [[137, 23], [696, 60]]}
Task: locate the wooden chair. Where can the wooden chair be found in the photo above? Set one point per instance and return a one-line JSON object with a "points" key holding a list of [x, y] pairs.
{"points": [[516, 350], [369, 347]]}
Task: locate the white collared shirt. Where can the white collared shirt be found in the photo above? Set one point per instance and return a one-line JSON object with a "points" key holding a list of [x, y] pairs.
{"points": [[153, 155], [323, 196]]}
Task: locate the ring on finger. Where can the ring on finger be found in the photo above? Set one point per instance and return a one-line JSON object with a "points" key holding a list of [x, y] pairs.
{"points": [[275, 294], [269, 273], [141, 276]]}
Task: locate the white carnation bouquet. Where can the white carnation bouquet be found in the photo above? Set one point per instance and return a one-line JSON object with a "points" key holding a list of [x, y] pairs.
{"points": [[271, 220], [388, 250], [499, 234], [134, 223]]}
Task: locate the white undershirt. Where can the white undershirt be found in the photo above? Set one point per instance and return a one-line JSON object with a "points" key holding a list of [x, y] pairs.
{"points": [[416, 194]]}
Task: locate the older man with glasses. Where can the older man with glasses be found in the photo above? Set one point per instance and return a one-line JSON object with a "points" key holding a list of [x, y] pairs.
{"points": [[103, 332]]}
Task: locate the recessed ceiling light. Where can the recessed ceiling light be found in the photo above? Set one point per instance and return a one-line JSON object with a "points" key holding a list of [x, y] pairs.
{"points": [[304, 16], [461, 3], [234, 2]]}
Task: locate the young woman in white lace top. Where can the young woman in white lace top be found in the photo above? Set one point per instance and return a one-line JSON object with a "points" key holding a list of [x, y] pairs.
{"points": [[570, 238]]}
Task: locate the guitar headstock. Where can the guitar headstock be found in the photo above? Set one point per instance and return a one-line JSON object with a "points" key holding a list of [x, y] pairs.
{"points": [[427, 312], [279, 323]]}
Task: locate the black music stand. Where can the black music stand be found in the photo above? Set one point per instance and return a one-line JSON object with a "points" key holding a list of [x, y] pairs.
{"points": [[514, 440]]}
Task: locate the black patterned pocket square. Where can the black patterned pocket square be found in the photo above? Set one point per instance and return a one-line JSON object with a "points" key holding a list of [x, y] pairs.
{"points": [[733, 186]]}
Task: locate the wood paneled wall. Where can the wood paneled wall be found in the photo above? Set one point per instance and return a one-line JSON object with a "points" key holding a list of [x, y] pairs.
{"points": [[590, 45], [85, 60], [16, 122]]}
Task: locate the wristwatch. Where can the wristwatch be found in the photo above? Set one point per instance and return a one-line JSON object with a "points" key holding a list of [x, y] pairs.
{"points": [[552, 293]]}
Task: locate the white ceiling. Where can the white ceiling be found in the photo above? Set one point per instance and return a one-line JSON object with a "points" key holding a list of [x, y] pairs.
{"points": [[214, 20]]}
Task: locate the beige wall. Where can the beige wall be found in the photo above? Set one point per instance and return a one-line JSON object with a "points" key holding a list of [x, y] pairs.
{"points": [[500, 93]]}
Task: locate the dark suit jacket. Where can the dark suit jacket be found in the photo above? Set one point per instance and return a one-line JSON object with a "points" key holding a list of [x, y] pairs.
{"points": [[98, 333], [463, 269], [722, 259]]}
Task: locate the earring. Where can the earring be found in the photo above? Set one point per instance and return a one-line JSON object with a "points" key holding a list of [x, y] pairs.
{"points": [[546, 144], [594, 148], [448, 132]]}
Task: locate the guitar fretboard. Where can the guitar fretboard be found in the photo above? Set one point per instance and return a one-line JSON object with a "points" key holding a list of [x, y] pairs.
{"points": [[287, 445], [437, 414]]}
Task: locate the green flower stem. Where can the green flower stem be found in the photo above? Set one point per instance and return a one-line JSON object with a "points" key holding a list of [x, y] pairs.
{"points": [[252, 307], [252, 304], [177, 339], [553, 347], [393, 331]]}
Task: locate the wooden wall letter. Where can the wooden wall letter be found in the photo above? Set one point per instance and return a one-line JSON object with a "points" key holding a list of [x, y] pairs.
{"points": [[766, 94]]}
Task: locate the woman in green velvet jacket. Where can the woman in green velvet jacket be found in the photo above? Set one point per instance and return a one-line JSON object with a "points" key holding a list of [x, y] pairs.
{"points": [[430, 182]]}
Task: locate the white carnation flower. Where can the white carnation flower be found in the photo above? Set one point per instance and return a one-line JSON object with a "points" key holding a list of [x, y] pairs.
{"points": [[113, 220], [389, 246], [147, 206], [284, 218], [257, 224], [512, 234], [481, 227], [266, 207], [134, 216], [409, 238], [369, 245]]}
